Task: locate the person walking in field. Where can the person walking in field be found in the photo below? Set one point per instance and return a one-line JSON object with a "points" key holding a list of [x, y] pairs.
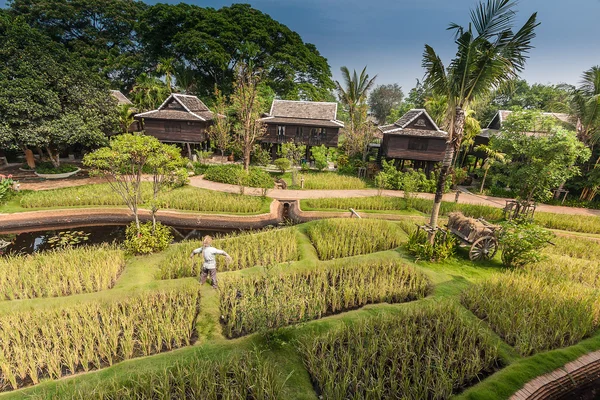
{"points": [[209, 266]]}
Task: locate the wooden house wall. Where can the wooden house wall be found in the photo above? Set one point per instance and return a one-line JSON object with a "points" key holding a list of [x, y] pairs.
{"points": [[271, 136], [191, 131], [396, 146]]}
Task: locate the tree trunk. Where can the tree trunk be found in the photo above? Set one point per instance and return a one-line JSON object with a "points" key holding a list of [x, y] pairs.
{"points": [[247, 150], [54, 157], [483, 180], [455, 135]]}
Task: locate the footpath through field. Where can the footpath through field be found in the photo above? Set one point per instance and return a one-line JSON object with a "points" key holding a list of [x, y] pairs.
{"points": [[465, 196]]}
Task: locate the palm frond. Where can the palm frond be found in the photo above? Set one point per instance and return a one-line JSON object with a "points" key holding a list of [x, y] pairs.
{"points": [[493, 17], [435, 72]]}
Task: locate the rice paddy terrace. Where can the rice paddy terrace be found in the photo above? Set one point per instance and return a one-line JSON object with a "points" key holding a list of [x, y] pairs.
{"points": [[331, 309]]}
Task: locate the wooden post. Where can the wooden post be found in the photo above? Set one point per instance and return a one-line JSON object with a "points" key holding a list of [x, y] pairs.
{"points": [[189, 149]]}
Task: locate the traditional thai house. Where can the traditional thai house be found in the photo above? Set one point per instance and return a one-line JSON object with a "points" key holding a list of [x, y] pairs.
{"points": [[415, 137], [123, 100], [303, 122], [180, 119]]}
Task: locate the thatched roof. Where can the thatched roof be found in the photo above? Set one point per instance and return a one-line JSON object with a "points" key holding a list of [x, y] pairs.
{"points": [[416, 123], [309, 113], [121, 99], [180, 107]]}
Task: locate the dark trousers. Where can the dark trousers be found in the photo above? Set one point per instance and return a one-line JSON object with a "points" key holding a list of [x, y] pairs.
{"points": [[213, 276]]}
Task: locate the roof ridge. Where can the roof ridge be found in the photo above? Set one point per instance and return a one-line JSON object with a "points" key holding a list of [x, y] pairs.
{"points": [[305, 101]]}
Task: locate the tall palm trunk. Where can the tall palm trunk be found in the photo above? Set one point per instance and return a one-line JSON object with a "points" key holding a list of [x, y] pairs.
{"points": [[451, 145]]}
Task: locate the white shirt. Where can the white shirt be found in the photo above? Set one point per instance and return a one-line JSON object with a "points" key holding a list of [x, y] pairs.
{"points": [[209, 256]]}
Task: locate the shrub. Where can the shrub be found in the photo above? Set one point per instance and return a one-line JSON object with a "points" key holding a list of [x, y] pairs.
{"points": [[283, 164], [429, 352], [319, 153], [259, 302], [260, 156], [199, 168], [7, 188], [336, 238], [60, 272], [66, 340], [443, 247], [49, 168], [247, 250], [234, 174], [521, 243], [531, 314], [147, 241]]}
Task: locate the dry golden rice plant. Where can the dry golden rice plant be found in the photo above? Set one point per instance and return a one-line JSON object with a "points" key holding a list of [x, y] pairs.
{"points": [[40, 344], [423, 353], [344, 237], [568, 269], [262, 301], [577, 247], [247, 249], [375, 203], [532, 314], [60, 272], [574, 223]]}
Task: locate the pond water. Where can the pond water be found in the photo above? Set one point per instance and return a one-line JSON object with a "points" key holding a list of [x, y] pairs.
{"points": [[32, 242]]}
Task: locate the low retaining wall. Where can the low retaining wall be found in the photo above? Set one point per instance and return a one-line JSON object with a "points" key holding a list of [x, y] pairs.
{"points": [[558, 384], [70, 218]]}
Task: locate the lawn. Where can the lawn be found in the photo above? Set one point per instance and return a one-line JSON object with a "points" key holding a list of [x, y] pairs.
{"points": [[372, 323]]}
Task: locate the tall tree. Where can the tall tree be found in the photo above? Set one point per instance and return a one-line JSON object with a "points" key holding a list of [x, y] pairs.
{"points": [[383, 99], [353, 92], [148, 92], [489, 54], [166, 66], [248, 107], [220, 131]]}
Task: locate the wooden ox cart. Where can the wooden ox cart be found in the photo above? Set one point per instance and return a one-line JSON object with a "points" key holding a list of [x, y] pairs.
{"points": [[478, 234]]}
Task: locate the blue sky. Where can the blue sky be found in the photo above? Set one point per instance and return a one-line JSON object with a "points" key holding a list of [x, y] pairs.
{"points": [[388, 35]]}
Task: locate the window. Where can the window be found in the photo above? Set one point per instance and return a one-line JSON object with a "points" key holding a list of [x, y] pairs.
{"points": [[280, 130], [417, 144], [299, 132], [173, 127], [323, 134]]}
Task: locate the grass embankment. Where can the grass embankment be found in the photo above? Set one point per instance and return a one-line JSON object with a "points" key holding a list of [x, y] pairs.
{"points": [[186, 198], [340, 367], [60, 272]]}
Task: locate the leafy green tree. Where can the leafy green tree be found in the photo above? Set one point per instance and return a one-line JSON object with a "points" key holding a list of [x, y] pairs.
{"points": [[491, 156], [166, 66], [383, 99], [282, 164], [319, 153], [213, 42], [353, 93], [220, 130], [149, 92], [47, 99], [489, 53], [293, 152], [537, 164], [102, 33], [125, 117]]}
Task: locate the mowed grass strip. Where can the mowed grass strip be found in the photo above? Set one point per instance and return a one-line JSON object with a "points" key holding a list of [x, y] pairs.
{"points": [[428, 352], [60, 272], [343, 237], [240, 376], [532, 314], [50, 344], [248, 249], [259, 302], [185, 198]]}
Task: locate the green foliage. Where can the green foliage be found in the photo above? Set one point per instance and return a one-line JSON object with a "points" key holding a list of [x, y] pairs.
{"points": [[409, 355], [260, 156], [575, 223], [336, 238], [7, 185], [61, 272], [233, 173], [283, 164], [531, 314], [319, 154], [260, 302], [331, 180], [49, 168], [443, 247], [68, 239], [383, 99], [413, 181], [521, 243], [147, 239], [246, 249]]}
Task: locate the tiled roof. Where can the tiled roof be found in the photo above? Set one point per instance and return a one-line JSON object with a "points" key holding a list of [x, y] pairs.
{"points": [[302, 122], [191, 108], [401, 127], [121, 99], [304, 109], [177, 115], [192, 103], [407, 118]]}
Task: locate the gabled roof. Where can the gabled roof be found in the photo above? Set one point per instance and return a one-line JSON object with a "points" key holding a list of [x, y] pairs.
{"points": [[405, 127], [121, 99], [318, 113], [180, 107]]}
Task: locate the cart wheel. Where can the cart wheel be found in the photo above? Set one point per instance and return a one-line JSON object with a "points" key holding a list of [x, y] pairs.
{"points": [[483, 248]]}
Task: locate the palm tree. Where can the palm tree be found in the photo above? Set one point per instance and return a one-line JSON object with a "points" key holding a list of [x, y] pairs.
{"points": [[125, 116], [489, 54], [491, 156], [148, 92], [353, 93], [184, 78], [167, 66]]}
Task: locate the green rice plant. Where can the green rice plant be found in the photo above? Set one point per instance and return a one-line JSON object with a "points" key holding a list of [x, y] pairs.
{"points": [[241, 376], [184, 198], [573, 223], [532, 314], [331, 181], [375, 203], [247, 249], [577, 247], [53, 343], [344, 237], [263, 301], [60, 272], [567, 269], [428, 352]]}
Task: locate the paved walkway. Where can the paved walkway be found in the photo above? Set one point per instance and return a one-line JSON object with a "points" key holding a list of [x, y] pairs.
{"points": [[465, 197]]}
